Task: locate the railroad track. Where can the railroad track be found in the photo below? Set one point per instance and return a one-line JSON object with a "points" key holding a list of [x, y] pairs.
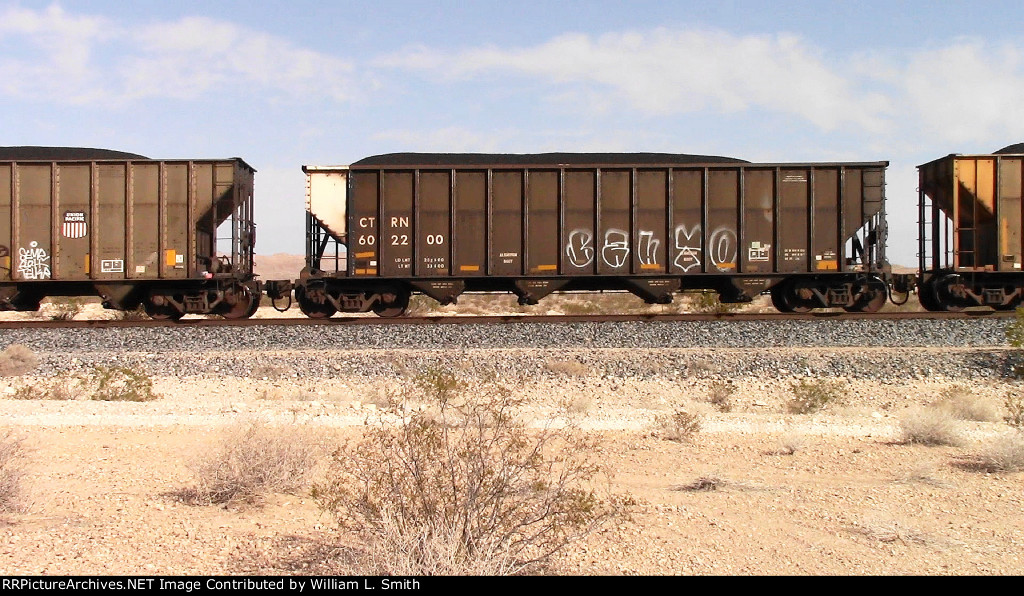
{"points": [[504, 319]]}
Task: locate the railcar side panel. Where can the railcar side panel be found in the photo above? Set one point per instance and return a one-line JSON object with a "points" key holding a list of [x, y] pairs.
{"points": [[541, 223], [688, 225], [1009, 208], [396, 226], [433, 224], [470, 230], [6, 229], [363, 214], [32, 237], [145, 259], [506, 241], [794, 221], [579, 222], [650, 226], [756, 246], [825, 230]]}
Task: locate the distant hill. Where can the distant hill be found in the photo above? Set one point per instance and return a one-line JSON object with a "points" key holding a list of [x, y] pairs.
{"points": [[279, 266]]}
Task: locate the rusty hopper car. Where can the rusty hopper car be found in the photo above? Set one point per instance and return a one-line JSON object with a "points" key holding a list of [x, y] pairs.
{"points": [[970, 235], [653, 224], [134, 231]]}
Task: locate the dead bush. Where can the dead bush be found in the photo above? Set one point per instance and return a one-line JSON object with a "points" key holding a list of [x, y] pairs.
{"points": [[720, 395], [254, 460], [930, 426], [12, 472], [961, 403], [60, 388], [679, 426], [1015, 411], [102, 383], [465, 488], [136, 314], [17, 359], [65, 308], [569, 368], [269, 371], [1004, 454], [812, 395]]}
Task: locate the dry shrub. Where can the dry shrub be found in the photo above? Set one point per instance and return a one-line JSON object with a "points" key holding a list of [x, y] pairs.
{"points": [[1015, 411], [12, 472], [254, 460], [720, 395], [961, 403], [930, 426], [884, 528], [135, 314], [466, 488], [812, 395], [102, 383], [1004, 454], [708, 301], [16, 360], [60, 388], [791, 442], [679, 426], [269, 371], [65, 308], [571, 368]]}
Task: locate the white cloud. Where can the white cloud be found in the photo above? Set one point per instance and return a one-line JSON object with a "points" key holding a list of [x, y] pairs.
{"points": [[677, 71], [968, 92], [186, 59]]}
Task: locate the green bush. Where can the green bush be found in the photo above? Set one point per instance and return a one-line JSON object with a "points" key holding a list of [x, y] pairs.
{"points": [[812, 395]]}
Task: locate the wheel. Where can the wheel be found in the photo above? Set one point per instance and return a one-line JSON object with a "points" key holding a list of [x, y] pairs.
{"points": [[313, 310], [162, 312], [245, 303], [926, 296], [788, 298], [398, 303], [871, 299], [945, 296], [778, 294]]}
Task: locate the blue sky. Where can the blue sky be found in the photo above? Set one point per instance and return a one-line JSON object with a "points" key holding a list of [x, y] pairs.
{"points": [[283, 84]]}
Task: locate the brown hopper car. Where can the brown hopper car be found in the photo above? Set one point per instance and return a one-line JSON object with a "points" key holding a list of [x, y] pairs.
{"points": [[174, 236], [813, 234], [970, 236]]}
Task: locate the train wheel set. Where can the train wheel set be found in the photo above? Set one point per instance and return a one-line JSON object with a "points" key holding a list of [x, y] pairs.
{"points": [[177, 237]]}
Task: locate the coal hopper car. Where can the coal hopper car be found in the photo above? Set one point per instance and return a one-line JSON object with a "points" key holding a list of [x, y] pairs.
{"points": [[970, 235], [174, 236], [383, 228]]}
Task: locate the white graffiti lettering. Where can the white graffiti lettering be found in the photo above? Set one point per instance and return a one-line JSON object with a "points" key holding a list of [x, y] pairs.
{"points": [[647, 248], [33, 262], [723, 249], [688, 249], [616, 248], [580, 248]]}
